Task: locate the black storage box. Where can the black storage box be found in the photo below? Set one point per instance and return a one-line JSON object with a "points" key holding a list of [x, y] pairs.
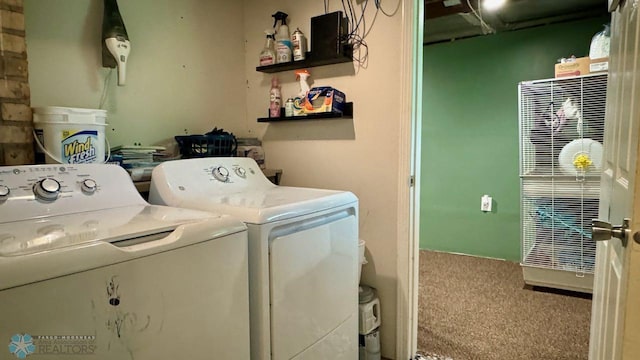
{"points": [[329, 34]]}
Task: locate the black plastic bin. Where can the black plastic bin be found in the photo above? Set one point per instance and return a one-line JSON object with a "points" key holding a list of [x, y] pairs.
{"points": [[197, 146]]}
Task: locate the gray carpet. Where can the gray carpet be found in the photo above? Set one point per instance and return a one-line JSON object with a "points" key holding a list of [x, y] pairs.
{"points": [[478, 309]]}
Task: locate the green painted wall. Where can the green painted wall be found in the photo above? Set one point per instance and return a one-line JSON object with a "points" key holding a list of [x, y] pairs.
{"points": [[470, 133]]}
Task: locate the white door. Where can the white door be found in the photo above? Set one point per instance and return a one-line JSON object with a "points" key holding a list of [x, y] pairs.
{"points": [[615, 323]]}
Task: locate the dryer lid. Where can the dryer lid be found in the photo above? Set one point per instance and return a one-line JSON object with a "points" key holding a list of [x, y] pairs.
{"points": [[273, 204]]}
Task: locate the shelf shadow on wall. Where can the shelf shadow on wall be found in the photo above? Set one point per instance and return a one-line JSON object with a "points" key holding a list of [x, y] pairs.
{"points": [[327, 129]]}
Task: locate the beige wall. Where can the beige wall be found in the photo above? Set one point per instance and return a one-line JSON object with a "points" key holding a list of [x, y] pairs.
{"points": [[185, 69], [359, 155]]}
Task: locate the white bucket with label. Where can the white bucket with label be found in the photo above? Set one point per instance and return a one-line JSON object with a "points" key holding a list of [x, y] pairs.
{"points": [[70, 135]]}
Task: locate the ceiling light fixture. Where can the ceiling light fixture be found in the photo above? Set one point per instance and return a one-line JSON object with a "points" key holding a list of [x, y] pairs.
{"points": [[492, 5]]}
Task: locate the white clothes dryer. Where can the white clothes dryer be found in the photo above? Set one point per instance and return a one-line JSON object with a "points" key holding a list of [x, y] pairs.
{"points": [[89, 270], [303, 253]]}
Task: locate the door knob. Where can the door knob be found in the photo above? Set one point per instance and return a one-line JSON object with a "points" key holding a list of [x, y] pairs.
{"points": [[602, 230]]}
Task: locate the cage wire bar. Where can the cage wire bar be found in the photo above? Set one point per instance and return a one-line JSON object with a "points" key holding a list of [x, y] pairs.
{"points": [[561, 125]]}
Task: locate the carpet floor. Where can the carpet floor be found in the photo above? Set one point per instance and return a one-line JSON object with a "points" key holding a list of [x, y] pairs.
{"points": [[474, 308]]}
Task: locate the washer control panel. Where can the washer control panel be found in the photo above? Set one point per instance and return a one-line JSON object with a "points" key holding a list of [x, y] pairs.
{"points": [[223, 174], [43, 190], [234, 174], [208, 176]]}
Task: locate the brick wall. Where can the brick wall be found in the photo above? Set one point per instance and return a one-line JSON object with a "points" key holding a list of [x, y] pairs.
{"points": [[16, 139]]}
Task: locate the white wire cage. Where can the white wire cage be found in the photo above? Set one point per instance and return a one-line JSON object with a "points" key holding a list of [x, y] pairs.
{"points": [[561, 143]]}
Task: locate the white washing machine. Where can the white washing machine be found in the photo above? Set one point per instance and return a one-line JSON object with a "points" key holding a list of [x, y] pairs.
{"points": [[303, 253], [89, 270]]}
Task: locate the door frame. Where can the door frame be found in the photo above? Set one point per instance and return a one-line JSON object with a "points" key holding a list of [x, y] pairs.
{"points": [[408, 223]]}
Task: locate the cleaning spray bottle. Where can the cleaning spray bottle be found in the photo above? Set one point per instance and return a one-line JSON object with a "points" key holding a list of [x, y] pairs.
{"points": [[302, 75], [283, 38], [275, 98], [268, 54], [300, 103]]}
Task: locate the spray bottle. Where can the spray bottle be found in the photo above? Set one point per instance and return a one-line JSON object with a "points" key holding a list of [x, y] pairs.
{"points": [[301, 103], [283, 38], [268, 54], [275, 98], [302, 75]]}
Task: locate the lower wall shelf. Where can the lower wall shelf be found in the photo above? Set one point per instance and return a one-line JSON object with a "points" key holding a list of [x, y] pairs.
{"points": [[348, 114]]}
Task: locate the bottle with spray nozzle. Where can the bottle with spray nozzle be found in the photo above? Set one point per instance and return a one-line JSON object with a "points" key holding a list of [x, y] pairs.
{"points": [[302, 75], [268, 53], [283, 38], [301, 102]]}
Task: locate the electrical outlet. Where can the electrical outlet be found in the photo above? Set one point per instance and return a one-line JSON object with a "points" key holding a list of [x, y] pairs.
{"points": [[485, 203]]}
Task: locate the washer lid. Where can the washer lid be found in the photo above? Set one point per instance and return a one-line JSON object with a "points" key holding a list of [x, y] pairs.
{"points": [[40, 249], [111, 226], [273, 204]]}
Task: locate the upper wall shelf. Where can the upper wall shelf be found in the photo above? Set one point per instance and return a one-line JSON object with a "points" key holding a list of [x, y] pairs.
{"points": [[306, 63]]}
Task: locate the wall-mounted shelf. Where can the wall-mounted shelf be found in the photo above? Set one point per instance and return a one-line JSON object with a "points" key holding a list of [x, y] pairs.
{"points": [[306, 63], [348, 114]]}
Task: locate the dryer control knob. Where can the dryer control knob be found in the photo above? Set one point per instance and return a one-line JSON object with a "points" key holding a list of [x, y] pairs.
{"points": [[47, 189], [4, 192], [89, 186], [221, 173], [241, 172]]}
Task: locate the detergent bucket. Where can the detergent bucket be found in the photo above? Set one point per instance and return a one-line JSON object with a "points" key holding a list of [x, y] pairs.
{"points": [[69, 135]]}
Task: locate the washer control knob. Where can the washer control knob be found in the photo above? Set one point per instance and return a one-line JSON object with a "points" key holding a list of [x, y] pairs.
{"points": [[47, 189], [221, 173], [4, 192], [241, 172], [89, 186]]}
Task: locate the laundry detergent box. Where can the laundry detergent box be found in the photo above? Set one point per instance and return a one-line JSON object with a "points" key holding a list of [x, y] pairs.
{"points": [[323, 99]]}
